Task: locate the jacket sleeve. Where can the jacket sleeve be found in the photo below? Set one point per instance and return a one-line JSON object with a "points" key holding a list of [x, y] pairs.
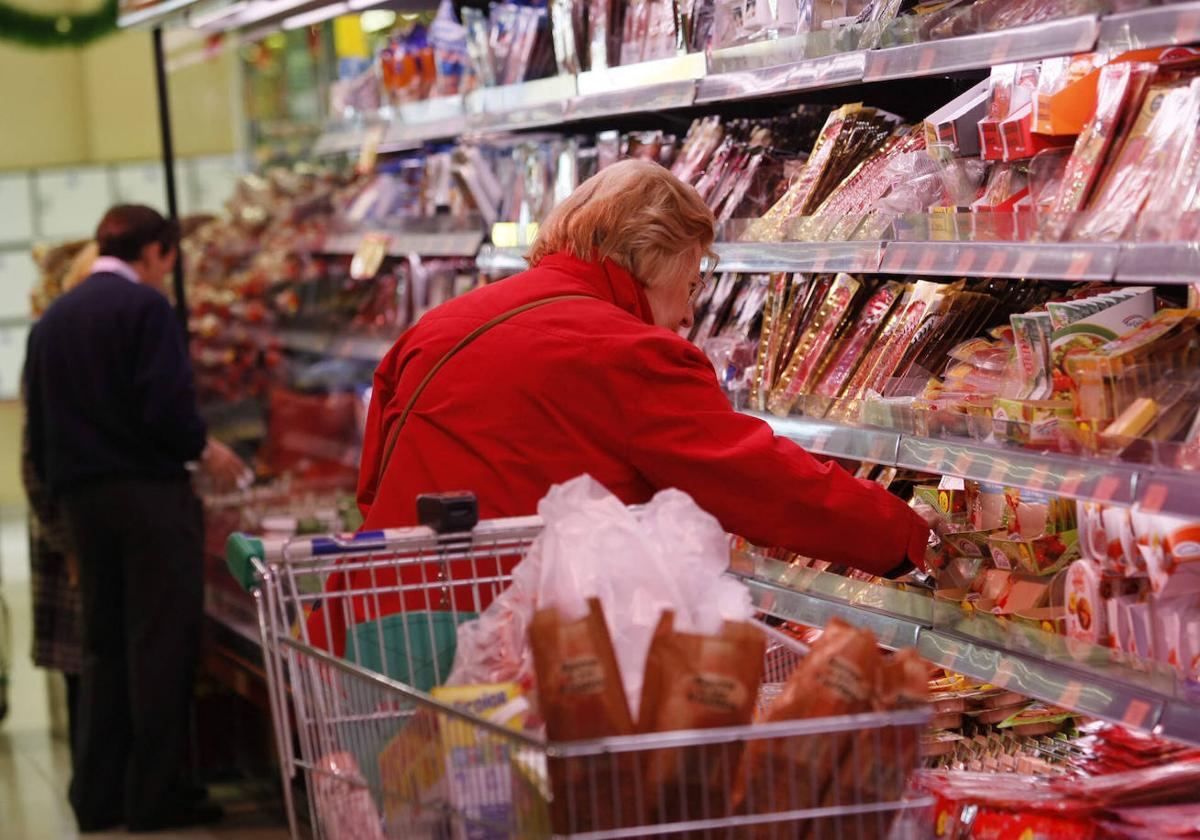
{"points": [[163, 383], [683, 433]]}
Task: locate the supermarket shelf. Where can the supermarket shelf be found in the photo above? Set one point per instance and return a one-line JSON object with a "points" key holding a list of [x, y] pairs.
{"points": [[1153, 27], [753, 71], [326, 343], [1147, 486], [1051, 261], [1085, 678], [969, 52], [444, 243], [1148, 262], [501, 260], [800, 256]]}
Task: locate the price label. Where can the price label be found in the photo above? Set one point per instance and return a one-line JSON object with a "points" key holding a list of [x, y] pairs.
{"points": [[965, 260], [937, 457], [928, 258], [1004, 673], [1155, 497], [1025, 262], [896, 256], [1136, 713], [1000, 50], [962, 464], [820, 442], [1187, 26], [995, 263], [928, 59], [1106, 488], [1069, 486], [820, 260], [1069, 698], [998, 471], [1079, 265]]}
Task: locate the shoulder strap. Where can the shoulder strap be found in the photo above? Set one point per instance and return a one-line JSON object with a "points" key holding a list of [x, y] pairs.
{"points": [[394, 432]]}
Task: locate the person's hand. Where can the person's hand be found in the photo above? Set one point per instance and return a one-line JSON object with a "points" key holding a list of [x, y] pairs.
{"points": [[930, 514], [226, 469]]}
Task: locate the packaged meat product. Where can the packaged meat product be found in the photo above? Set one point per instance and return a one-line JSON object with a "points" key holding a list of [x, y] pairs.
{"points": [[837, 677], [347, 809], [853, 349], [580, 696], [697, 682], [811, 350], [1170, 547]]}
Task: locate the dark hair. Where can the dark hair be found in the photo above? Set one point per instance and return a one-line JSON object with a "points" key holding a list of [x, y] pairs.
{"points": [[128, 228]]}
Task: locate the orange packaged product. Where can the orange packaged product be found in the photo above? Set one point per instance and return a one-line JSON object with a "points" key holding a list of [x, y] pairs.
{"points": [[697, 682], [580, 696], [838, 677]]}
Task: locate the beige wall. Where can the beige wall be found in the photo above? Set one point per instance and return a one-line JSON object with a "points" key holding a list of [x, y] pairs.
{"points": [[97, 104]]}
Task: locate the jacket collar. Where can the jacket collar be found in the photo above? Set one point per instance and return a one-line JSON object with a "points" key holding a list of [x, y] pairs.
{"points": [[603, 279]]}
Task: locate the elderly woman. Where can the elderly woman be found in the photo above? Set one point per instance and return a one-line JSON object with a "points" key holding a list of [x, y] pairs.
{"points": [[576, 366]]}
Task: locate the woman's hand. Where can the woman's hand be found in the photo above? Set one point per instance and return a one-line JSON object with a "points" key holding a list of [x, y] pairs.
{"points": [[226, 469]]}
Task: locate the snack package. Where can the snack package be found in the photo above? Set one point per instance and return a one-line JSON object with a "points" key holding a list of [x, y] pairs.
{"points": [[836, 678], [810, 351], [437, 760], [697, 682], [580, 696]]}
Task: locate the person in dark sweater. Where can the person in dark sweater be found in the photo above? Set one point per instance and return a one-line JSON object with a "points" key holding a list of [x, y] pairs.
{"points": [[112, 424]]}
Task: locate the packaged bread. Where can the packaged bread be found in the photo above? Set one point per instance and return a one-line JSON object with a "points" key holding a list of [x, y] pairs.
{"points": [[697, 682], [838, 677], [581, 696]]}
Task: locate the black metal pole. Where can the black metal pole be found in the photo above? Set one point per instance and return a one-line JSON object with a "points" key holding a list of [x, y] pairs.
{"points": [[168, 156]]}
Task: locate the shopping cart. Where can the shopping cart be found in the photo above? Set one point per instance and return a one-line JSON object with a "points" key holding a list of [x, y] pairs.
{"points": [[383, 758]]}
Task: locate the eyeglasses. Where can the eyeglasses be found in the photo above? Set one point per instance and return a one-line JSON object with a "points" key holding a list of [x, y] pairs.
{"points": [[703, 277]]}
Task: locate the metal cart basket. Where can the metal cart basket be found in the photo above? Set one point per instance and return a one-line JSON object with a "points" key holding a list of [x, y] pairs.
{"points": [[383, 758]]}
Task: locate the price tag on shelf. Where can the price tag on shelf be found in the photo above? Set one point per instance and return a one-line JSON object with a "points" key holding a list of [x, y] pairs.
{"points": [[995, 263], [820, 260], [928, 258], [1000, 50], [1155, 497], [820, 442], [1187, 26], [895, 256], [1069, 485], [928, 59], [1025, 262], [1106, 488], [1136, 713], [937, 457], [998, 471], [1069, 697], [1004, 672], [1079, 265], [965, 260], [962, 464]]}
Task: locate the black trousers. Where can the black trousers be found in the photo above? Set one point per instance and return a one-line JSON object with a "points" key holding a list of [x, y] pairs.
{"points": [[140, 547]]}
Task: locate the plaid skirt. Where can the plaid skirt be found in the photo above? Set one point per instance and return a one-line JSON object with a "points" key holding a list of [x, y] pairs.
{"points": [[57, 606]]}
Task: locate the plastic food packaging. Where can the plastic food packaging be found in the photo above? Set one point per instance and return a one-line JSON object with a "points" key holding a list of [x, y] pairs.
{"points": [[580, 696], [347, 810], [697, 682]]}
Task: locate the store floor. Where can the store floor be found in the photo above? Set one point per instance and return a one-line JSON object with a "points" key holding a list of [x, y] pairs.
{"points": [[34, 759]]}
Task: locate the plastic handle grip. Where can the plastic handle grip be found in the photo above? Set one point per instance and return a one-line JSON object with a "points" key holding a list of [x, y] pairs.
{"points": [[240, 553]]}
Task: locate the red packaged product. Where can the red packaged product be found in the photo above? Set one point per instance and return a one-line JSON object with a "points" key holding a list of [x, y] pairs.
{"points": [[852, 349]]}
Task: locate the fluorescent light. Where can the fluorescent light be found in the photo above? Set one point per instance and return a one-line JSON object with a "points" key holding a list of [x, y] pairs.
{"points": [[376, 20], [316, 16], [359, 5]]}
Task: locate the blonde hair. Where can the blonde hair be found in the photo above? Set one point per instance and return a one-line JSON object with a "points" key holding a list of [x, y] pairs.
{"points": [[635, 213]]}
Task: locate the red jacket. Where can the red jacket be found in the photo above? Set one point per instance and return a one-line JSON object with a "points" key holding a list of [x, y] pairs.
{"points": [[592, 386]]}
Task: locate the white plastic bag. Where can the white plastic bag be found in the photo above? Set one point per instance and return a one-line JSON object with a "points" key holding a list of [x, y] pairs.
{"points": [[669, 554]]}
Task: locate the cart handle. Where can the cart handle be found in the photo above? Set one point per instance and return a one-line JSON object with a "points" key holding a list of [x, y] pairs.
{"points": [[241, 552]]}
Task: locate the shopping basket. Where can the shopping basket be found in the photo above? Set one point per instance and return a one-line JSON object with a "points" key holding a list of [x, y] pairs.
{"points": [[382, 758]]}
